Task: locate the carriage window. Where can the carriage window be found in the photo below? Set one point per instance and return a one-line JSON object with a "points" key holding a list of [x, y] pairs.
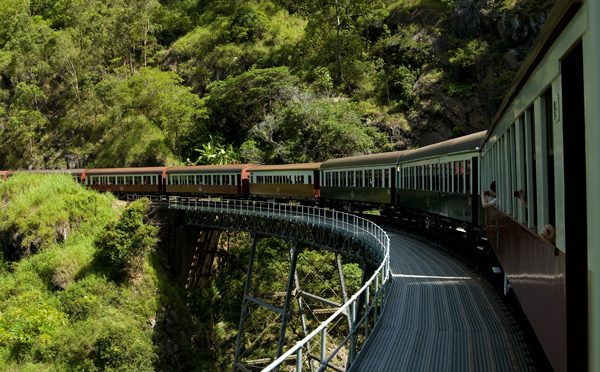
{"points": [[513, 165], [401, 185], [440, 176], [440, 173], [521, 147], [417, 177], [359, 178], [468, 180], [368, 178], [532, 177], [550, 157], [309, 179], [460, 176], [386, 178]]}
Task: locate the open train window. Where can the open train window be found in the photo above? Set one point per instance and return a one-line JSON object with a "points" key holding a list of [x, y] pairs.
{"points": [[468, 176], [550, 156], [513, 170], [386, 178], [531, 177]]}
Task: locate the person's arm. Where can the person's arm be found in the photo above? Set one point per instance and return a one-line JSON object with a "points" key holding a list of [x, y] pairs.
{"points": [[485, 203]]}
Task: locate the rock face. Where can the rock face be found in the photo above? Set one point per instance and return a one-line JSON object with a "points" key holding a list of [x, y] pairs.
{"points": [[476, 47], [515, 26], [467, 19]]}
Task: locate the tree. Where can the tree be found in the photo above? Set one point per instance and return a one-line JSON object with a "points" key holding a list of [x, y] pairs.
{"points": [[151, 108], [313, 130], [238, 103], [344, 16], [24, 125]]}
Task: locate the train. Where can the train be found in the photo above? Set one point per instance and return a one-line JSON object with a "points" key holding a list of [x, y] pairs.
{"points": [[439, 181], [540, 158]]}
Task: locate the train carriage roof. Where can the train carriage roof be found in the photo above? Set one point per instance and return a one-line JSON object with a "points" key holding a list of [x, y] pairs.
{"points": [[470, 142], [228, 168], [561, 13], [384, 158], [122, 171], [285, 167]]}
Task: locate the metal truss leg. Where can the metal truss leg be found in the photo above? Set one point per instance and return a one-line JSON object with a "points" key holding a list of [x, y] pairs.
{"points": [[245, 306], [285, 315], [338, 261]]}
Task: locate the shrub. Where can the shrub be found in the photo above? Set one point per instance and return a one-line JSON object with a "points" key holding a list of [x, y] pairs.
{"points": [[124, 242]]}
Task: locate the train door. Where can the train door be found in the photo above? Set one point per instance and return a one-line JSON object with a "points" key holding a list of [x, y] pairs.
{"points": [[575, 205]]}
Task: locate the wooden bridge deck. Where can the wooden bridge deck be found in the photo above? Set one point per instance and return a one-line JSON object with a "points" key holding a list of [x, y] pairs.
{"points": [[440, 317]]}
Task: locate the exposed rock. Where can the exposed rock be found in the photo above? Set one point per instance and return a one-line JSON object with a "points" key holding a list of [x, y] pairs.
{"points": [[466, 20], [511, 59]]}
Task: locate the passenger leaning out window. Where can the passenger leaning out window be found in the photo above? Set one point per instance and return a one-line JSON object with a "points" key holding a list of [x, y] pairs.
{"points": [[488, 197]]}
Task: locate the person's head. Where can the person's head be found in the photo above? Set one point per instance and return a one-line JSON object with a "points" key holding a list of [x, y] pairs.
{"points": [[549, 233], [493, 186]]}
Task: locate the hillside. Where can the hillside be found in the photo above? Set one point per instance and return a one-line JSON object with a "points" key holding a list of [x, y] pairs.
{"points": [[148, 82], [68, 302]]}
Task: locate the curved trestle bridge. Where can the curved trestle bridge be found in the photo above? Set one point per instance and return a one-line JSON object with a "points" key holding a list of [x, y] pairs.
{"points": [[435, 316]]}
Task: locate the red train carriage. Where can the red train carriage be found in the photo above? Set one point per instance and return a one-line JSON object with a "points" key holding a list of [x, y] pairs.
{"points": [[292, 181], [144, 180], [208, 180]]}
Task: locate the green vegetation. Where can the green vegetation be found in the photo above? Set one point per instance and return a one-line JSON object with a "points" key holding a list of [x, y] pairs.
{"points": [[60, 308], [131, 83], [82, 287], [123, 244], [218, 302], [108, 83]]}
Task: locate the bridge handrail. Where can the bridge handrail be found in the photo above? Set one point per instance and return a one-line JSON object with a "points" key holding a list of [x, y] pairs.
{"points": [[323, 217]]}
